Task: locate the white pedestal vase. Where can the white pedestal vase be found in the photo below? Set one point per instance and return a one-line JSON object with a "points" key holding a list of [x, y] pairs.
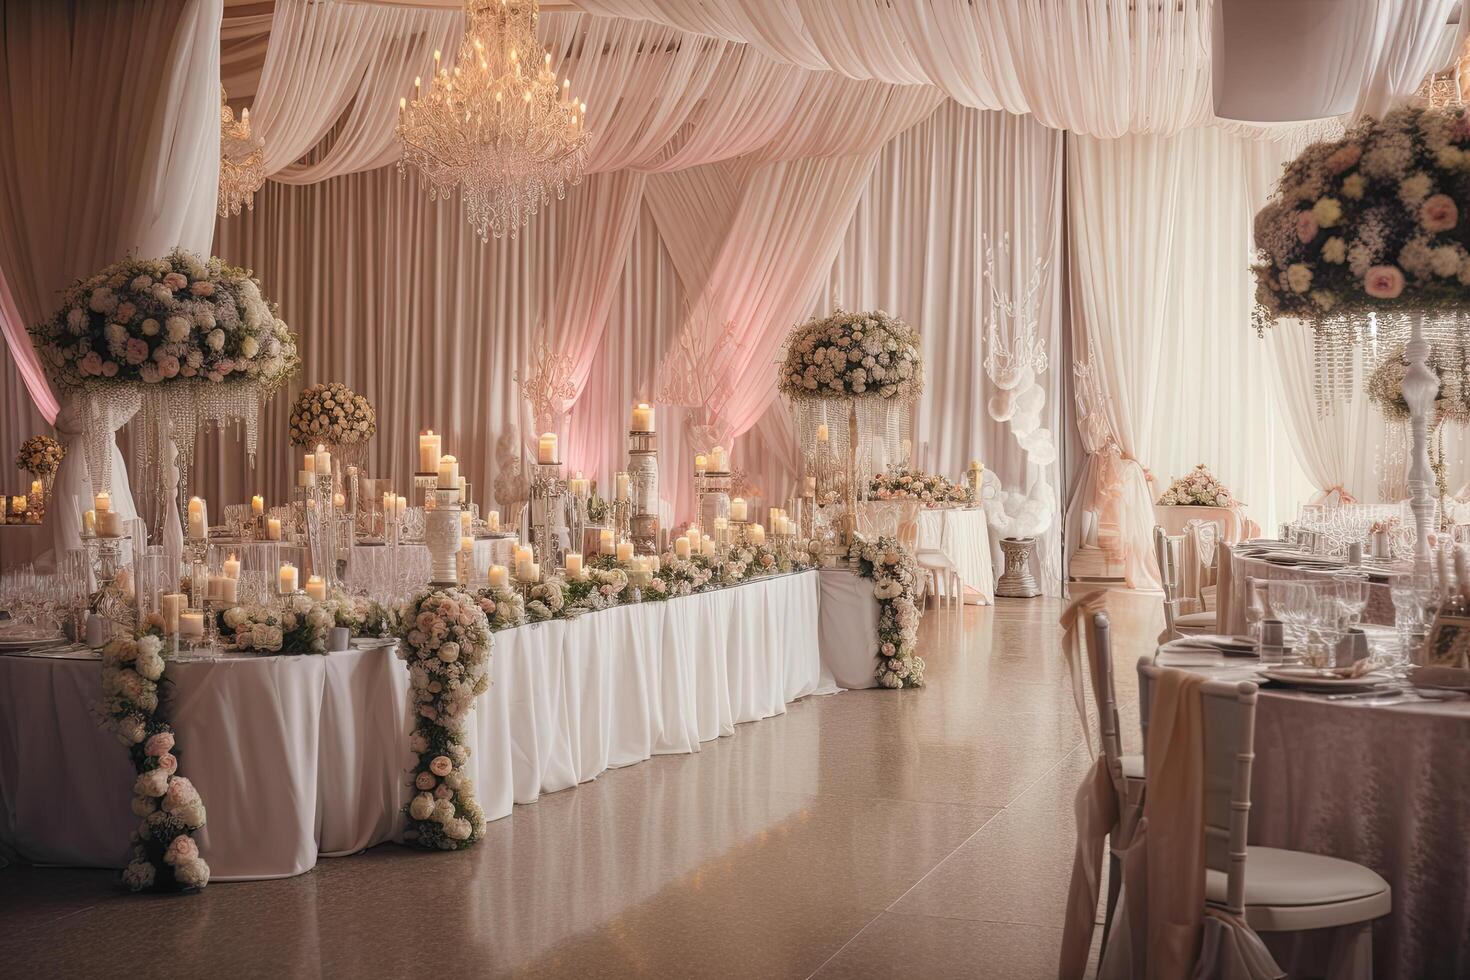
{"points": [[441, 537], [1420, 387], [1017, 582]]}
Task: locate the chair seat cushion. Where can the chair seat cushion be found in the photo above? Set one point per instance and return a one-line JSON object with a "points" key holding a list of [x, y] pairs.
{"points": [[1195, 619], [1290, 891]]}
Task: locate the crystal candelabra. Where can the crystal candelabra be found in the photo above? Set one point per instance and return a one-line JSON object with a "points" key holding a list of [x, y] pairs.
{"points": [[548, 489], [441, 536], [643, 485], [713, 490]]}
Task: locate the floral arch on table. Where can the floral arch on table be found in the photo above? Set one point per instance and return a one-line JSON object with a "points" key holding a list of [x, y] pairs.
{"points": [[1369, 236]]}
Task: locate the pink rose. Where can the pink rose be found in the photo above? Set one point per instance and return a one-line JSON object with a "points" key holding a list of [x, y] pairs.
{"points": [[180, 793], [91, 364], [202, 289], [168, 762], [181, 849], [109, 369], [137, 351], [1344, 157], [425, 781], [443, 793], [159, 744], [1306, 226], [1384, 281], [441, 766], [168, 366], [175, 281], [1438, 213]]}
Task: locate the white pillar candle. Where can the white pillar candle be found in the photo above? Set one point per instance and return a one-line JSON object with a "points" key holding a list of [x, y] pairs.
{"points": [[308, 464], [642, 417], [305, 478], [718, 461], [402, 505], [525, 553], [605, 541], [533, 571], [707, 547], [495, 520], [625, 550], [622, 486], [757, 534], [316, 588], [214, 587], [232, 566], [198, 520], [273, 529], [287, 578], [681, 547], [701, 463], [546, 448], [573, 562], [737, 509], [103, 502], [498, 576], [171, 604], [109, 524], [464, 491], [229, 590], [257, 505], [89, 522], [448, 473], [429, 446], [191, 624]]}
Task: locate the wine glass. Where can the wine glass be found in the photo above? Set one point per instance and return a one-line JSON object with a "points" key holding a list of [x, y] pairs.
{"points": [[1289, 602], [1352, 594]]}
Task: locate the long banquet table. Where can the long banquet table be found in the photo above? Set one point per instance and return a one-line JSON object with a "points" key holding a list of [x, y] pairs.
{"points": [[1384, 785], [298, 757], [963, 535]]}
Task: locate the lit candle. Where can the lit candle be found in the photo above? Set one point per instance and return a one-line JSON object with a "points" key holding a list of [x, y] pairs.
{"points": [[402, 505], [546, 448], [625, 550], [533, 571], [737, 509], [35, 488], [390, 503], [448, 473], [495, 520], [308, 464], [701, 463], [316, 588], [605, 541], [573, 562], [229, 590], [287, 579], [757, 534], [198, 520], [498, 576], [642, 417], [216, 586], [822, 432], [681, 547], [257, 505], [273, 529], [191, 624], [525, 553], [232, 566], [103, 502], [707, 547], [89, 522], [622, 485], [171, 604], [429, 446], [305, 478]]}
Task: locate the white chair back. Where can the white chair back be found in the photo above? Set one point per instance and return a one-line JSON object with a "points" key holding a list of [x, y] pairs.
{"points": [[1166, 550], [1104, 694]]}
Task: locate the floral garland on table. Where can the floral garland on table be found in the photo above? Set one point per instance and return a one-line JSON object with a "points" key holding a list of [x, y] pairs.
{"points": [[894, 574], [931, 489], [684, 576], [1370, 222], [1385, 385], [545, 600], [446, 644], [165, 855], [848, 355], [504, 607], [332, 414], [299, 625], [41, 455], [1197, 489], [153, 320]]}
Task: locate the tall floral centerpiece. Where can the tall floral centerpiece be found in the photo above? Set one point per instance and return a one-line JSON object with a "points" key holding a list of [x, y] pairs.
{"points": [[1366, 234], [181, 339], [41, 457], [335, 416], [852, 379]]}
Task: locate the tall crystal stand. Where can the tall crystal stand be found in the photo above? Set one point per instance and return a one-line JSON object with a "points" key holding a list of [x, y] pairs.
{"points": [[441, 536], [643, 482], [1420, 386], [714, 498], [547, 490]]}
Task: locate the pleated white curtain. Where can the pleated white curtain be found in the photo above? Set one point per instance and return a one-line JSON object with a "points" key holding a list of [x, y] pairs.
{"points": [[67, 208]]}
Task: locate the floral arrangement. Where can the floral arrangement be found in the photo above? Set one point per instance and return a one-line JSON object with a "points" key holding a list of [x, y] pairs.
{"points": [[1387, 525], [1385, 386], [41, 455], [853, 355], [684, 576], [299, 625], [446, 644], [1370, 222], [930, 489], [546, 600], [894, 574], [332, 414], [504, 607], [155, 320], [1197, 489], [165, 854]]}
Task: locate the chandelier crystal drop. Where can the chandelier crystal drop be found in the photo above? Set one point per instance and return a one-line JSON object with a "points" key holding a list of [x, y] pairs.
{"points": [[498, 125], [241, 160]]}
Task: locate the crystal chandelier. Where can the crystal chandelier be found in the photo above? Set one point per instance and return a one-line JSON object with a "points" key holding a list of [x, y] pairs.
{"points": [[241, 160], [497, 126]]}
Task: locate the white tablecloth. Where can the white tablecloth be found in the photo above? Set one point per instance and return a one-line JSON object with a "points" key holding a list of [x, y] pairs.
{"points": [[964, 537], [1233, 523], [849, 631], [300, 756]]}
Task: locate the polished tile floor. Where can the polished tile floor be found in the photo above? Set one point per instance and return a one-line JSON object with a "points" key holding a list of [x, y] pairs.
{"points": [[922, 833]]}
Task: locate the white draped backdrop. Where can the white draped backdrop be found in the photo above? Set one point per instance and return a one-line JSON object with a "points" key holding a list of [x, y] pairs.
{"points": [[754, 161]]}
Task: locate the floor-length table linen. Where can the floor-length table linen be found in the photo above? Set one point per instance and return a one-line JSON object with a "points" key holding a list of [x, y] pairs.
{"points": [[1236, 567], [1232, 521], [1382, 785], [848, 636], [963, 535], [301, 756]]}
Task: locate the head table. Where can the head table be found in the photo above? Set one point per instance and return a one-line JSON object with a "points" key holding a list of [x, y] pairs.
{"points": [[304, 756], [1382, 784]]}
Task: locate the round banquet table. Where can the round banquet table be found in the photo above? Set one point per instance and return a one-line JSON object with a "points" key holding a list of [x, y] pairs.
{"points": [[963, 535], [298, 757], [1237, 566], [1384, 785], [1234, 525]]}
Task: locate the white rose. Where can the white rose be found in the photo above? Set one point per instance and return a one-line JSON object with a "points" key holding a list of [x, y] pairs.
{"points": [[249, 347], [421, 807], [216, 339]]}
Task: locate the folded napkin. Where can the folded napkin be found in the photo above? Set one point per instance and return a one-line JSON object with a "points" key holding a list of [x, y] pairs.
{"points": [[1190, 657]]}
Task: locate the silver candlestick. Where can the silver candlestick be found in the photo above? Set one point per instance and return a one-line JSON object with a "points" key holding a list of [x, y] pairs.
{"points": [[548, 489], [643, 480]]}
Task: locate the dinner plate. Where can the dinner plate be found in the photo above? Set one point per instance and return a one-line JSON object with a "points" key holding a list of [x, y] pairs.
{"points": [[17, 645], [1441, 678], [372, 642], [1319, 679]]}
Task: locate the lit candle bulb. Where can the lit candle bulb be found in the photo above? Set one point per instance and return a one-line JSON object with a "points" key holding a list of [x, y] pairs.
{"points": [[339, 501], [757, 534], [822, 434], [191, 624], [89, 522], [273, 529], [308, 463], [287, 578], [171, 604], [681, 547], [498, 576], [573, 562], [642, 417], [316, 588], [232, 566], [625, 550], [429, 447], [622, 486], [198, 520], [546, 448]]}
